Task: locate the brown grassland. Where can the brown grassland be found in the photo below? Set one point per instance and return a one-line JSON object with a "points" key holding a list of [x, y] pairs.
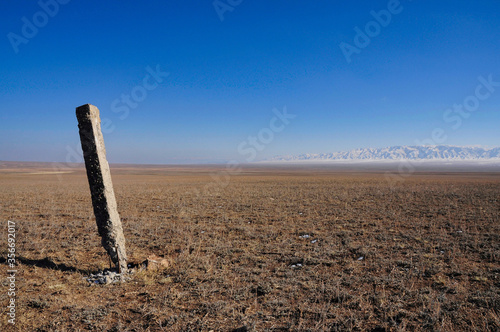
{"points": [[421, 255]]}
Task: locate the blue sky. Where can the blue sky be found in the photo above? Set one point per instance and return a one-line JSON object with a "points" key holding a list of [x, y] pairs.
{"points": [[230, 63]]}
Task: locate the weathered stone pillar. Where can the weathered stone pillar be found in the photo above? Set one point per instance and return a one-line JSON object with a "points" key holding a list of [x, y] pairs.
{"points": [[108, 221]]}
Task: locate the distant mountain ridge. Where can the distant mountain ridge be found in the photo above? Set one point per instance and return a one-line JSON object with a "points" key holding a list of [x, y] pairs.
{"points": [[395, 153]]}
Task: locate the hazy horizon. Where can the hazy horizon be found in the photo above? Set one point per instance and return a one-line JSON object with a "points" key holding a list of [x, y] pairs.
{"points": [[322, 159]]}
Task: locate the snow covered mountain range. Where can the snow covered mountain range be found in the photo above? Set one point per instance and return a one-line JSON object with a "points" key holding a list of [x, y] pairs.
{"points": [[394, 153]]}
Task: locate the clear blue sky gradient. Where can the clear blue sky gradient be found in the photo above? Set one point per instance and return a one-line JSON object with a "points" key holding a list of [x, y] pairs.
{"points": [[226, 77]]}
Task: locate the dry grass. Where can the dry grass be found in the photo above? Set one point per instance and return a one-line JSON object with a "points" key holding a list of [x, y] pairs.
{"points": [[430, 251]]}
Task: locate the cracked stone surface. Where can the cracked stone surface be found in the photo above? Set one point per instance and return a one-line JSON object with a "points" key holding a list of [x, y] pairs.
{"points": [[103, 196]]}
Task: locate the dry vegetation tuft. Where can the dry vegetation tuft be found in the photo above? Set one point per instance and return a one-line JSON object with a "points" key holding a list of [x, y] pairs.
{"points": [[275, 251]]}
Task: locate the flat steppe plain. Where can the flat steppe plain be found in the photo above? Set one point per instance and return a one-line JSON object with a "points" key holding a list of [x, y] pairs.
{"points": [[264, 248]]}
